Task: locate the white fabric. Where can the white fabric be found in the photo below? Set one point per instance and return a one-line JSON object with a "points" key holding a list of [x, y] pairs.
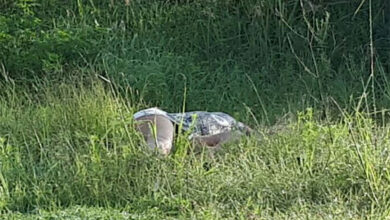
{"points": [[150, 111]]}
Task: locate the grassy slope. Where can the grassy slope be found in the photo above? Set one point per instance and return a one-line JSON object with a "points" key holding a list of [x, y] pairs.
{"points": [[76, 148], [67, 145], [236, 56]]}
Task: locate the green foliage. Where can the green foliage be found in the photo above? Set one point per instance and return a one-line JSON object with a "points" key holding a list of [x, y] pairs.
{"points": [[222, 50], [72, 73], [77, 146]]}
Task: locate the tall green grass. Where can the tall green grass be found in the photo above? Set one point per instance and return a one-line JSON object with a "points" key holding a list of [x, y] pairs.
{"points": [[74, 150], [296, 54], [72, 75]]}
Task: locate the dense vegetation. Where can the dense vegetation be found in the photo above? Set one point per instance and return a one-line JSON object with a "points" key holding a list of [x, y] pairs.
{"points": [[311, 76]]}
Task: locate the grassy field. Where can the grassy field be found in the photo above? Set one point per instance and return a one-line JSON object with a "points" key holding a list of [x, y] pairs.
{"points": [[311, 77]]}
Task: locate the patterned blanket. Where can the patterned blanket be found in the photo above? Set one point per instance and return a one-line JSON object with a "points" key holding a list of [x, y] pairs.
{"points": [[198, 123]]}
